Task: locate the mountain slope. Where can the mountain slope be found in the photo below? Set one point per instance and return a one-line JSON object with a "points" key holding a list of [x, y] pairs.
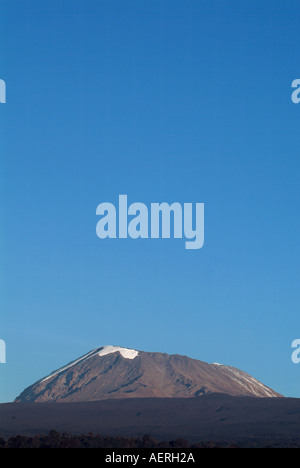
{"points": [[112, 372]]}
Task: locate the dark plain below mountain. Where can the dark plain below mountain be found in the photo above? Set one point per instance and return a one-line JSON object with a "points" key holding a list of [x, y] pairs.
{"points": [[111, 372], [214, 420]]}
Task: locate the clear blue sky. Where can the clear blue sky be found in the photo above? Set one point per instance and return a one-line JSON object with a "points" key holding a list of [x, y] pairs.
{"points": [[165, 100]]}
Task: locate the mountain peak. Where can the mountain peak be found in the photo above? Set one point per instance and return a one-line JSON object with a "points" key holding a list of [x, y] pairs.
{"points": [[125, 352], [117, 372]]}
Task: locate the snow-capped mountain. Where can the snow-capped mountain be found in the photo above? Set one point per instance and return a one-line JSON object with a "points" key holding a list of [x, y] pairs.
{"points": [[111, 372]]}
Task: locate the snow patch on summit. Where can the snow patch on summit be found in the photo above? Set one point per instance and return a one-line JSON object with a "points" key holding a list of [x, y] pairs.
{"points": [[125, 352]]}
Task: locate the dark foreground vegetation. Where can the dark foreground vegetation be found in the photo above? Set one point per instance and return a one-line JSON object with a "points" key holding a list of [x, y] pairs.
{"points": [[64, 440]]}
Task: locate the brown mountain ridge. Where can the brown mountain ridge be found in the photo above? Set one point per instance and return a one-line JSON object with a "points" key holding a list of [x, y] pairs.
{"points": [[112, 372]]}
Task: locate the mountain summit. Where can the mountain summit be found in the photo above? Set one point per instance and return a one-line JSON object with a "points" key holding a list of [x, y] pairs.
{"points": [[111, 372]]}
